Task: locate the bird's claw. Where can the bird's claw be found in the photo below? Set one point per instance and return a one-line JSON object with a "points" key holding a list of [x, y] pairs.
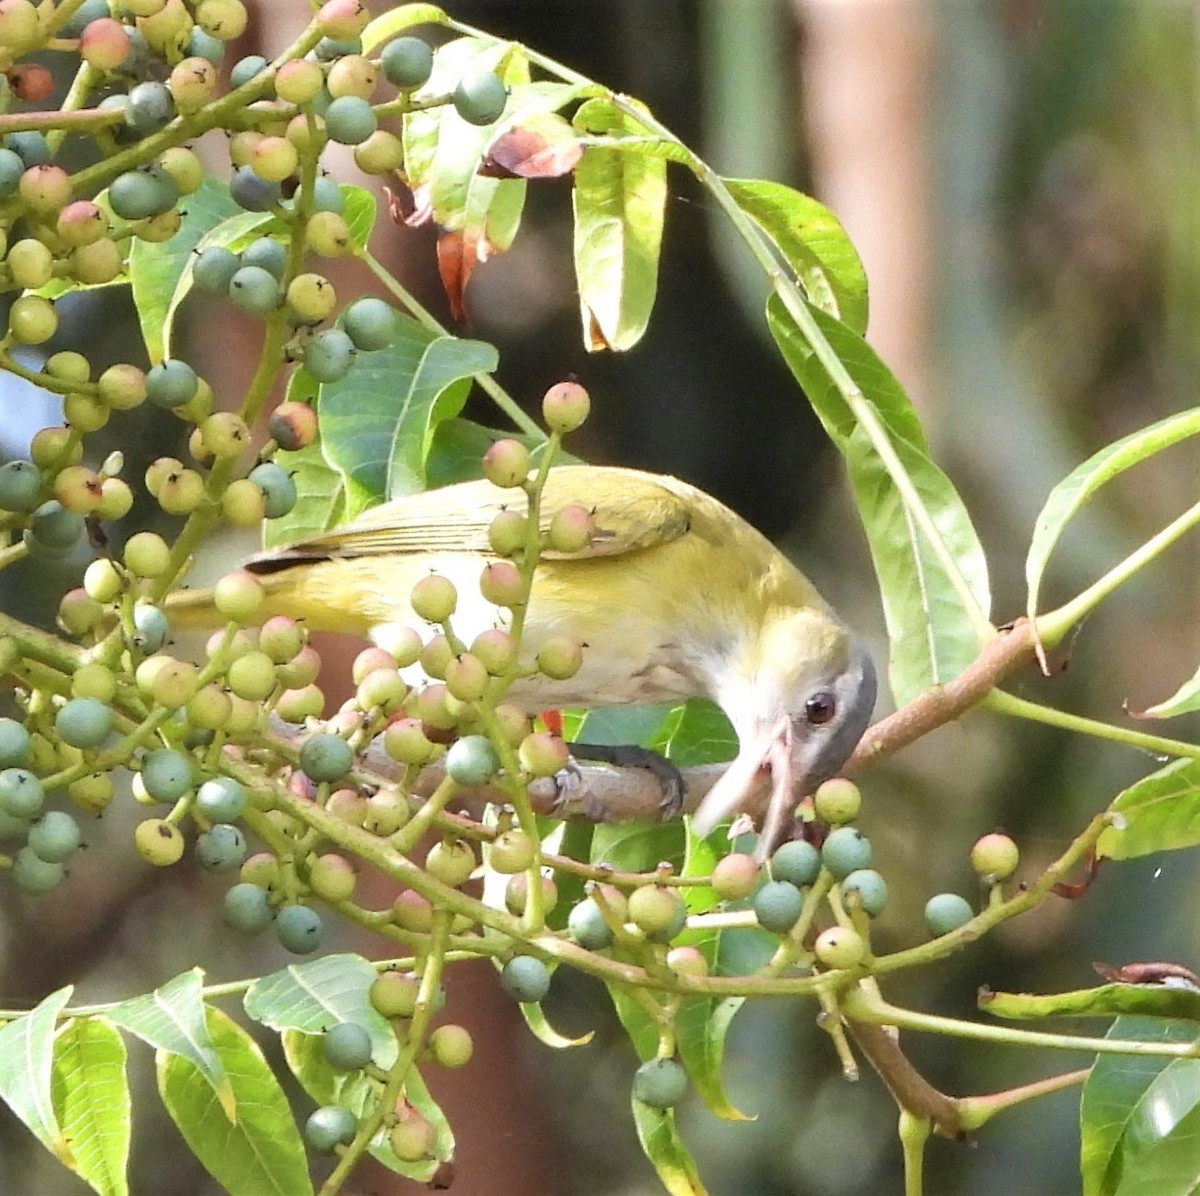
{"points": [[632, 756]]}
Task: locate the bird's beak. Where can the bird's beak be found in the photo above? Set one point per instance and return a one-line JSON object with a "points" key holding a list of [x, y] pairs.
{"points": [[767, 754]]}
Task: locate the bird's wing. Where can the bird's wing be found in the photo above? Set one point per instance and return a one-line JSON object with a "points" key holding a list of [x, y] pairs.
{"points": [[632, 510]]}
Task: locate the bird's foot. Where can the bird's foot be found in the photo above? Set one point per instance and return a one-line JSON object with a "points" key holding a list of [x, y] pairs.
{"points": [[632, 756]]}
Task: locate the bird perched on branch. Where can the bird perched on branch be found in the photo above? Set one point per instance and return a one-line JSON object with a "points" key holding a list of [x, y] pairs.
{"points": [[673, 596]]}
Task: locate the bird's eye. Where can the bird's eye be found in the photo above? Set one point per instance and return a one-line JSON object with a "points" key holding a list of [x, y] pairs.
{"points": [[820, 708]]}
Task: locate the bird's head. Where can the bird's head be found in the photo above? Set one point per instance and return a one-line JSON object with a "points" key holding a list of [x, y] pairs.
{"points": [[799, 708]]}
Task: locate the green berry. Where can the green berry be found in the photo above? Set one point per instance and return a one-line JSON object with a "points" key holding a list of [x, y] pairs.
{"points": [[21, 793], [213, 269], [394, 994], [777, 906], [944, 913], [325, 757], [277, 486], [660, 1083], [246, 69], [472, 760], [299, 928], [451, 861], [525, 978], [247, 908], [55, 837], [166, 774], [407, 62], [480, 98], [15, 744], [797, 862], [255, 290], [346, 1046], [332, 877], [588, 927], [84, 722], [253, 193], [311, 298], [511, 851], [54, 528], [543, 754], [434, 598], [221, 799], [845, 850], [20, 486], [868, 888], [370, 323], [32, 874], [350, 120], [328, 1127], [171, 384], [328, 355], [657, 910]]}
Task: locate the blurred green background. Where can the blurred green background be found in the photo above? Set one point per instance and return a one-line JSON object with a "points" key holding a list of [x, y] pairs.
{"points": [[1023, 178]]}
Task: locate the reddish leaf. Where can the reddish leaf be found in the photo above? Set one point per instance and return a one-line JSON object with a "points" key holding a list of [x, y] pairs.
{"points": [[532, 152], [458, 254]]}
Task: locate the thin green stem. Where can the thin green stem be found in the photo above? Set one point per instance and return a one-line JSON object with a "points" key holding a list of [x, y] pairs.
{"points": [[1006, 703], [865, 1007], [1052, 626], [427, 319], [977, 1111], [914, 1133]]}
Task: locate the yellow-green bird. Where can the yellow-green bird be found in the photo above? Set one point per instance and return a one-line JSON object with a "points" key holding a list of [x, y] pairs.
{"points": [[675, 597]]}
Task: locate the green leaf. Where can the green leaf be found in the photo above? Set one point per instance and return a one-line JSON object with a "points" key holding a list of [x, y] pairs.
{"points": [[663, 1146], [162, 273], [360, 213], [458, 446], [1105, 1000], [540, 1027], [1183, 701], [172, 1020], [813, 242], [619, 203], [933, 638], [443, 153], [696, 733], [1160, 812], [321, 497], [1138, 1113], [396, 20], [91, 1100], [26, 1071], [1078, 486], [377, 423], [360, 1094], [258, 1154], [313, 996]]}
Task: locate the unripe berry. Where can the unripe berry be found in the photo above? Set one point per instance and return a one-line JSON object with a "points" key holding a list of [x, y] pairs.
{"points": [[243, 503], [158, 842], [311, 299], [98, 263], [223, 19], [174, 684], [777, 906], [328, 235], [735, 876], [104, 44], [278, 488], [30, 263], [496, 649], [146, 555], [660, 1083], [995, 856], [394, 994], [122, 387], [298, 81], [80, 223], [52, 448], [84, 413], [116, 499], [78, 489], [946, 912], [525, 978], [866, 889], [381, 689], [332, 877], [501, 584], [411, 911], [92, 680], [381, 152], [274, 159], [839, 947], [687, 961], [387, 811], [46, 190], [406, 743], [32, 320], [342, 19], [480, 98], [224, 434], [171, 384], [209, 709], [352, 75], [297, 705], [542, 754], [181, 493], [450, 861], [837, 801], [560, 657], [565, 406], [845, 850], [434, 598], [657, 910], [253, 677], [466, 677], [103, 580], [506, 463], [302, 669], [511, 851], [78, 613], [412, 1138], [238, 597], [571, 529], [407, 62], [192, 83]]}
